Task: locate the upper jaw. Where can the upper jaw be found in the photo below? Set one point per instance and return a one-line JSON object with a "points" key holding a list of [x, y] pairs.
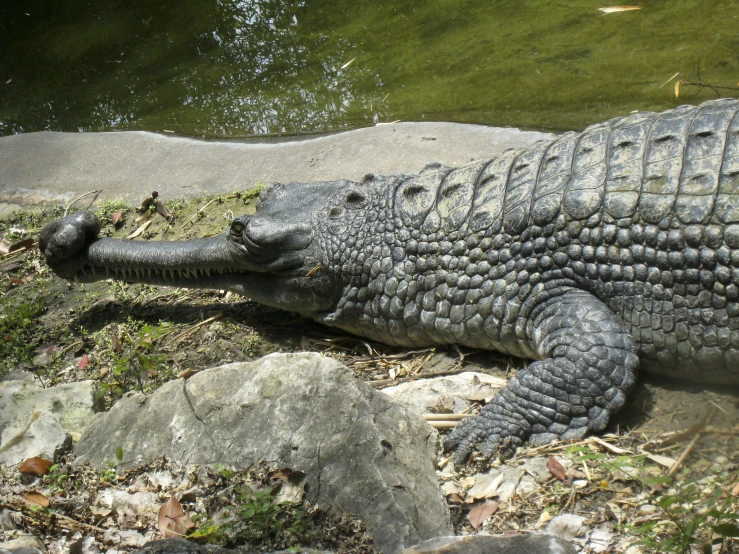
{"points": [[218, 262]]}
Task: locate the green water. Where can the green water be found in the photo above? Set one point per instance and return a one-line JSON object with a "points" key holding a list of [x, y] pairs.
{"points": [[233, 68]]}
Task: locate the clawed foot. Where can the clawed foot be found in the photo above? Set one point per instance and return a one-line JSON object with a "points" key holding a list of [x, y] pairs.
{"points": [[491, 433], [63, 240]]}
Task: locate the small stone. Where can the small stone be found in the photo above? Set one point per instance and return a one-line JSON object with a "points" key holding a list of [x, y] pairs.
{"points": [[566, 526], [25, 544], [646, 509]]}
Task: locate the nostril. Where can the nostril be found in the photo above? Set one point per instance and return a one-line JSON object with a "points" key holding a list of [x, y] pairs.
{"points": [[238, 225]]}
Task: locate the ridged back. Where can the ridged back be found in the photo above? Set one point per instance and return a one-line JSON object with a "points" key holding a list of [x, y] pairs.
{"points": [[646, 166]]}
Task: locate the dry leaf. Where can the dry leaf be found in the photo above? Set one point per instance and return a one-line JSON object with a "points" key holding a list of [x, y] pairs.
{"points": [[479, 514], [556, 469], [545, 517], [84, 360], [36, 498], [617, 9], [454, 498], [102, 372], [143, 217], [490, 490], [116, 218], [292, 489], [140, 230], [677, 89], [148, 201], [117, 346], [450, 487], [187, 373], [75, 436], [468, 482], [664, 461], [6, 247], [163, 211], [735, 490], [281, 474], [9, 267], [35, 466], [347, 64], [173, 522]]}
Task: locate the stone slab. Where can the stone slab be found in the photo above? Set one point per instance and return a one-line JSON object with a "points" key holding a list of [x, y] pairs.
{"points": [[49, 167]]}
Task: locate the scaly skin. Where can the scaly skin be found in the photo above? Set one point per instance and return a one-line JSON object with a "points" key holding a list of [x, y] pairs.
{"points": [[593, 254]]}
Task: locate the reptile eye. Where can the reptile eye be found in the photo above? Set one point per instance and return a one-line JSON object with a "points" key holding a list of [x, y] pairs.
{"points": [[237, 226]]}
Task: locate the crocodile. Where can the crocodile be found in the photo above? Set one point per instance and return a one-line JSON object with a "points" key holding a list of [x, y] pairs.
{"points": [[594, 254]]}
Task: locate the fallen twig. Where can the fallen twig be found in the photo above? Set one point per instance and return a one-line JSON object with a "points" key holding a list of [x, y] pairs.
{"points": [[706, 420], [49, 520], [198, 213], [379, 383], [73, 202], [446, 417], [195, 327], [442, 425]]}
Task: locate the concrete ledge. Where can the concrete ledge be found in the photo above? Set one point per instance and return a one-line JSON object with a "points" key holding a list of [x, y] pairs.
{"points": [[48, 167]]}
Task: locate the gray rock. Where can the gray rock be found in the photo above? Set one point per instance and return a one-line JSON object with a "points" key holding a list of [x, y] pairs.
{"points": [[25, 544], [40, 436], [9, 520], [363, 453], [35, 421], [534, 543], [181, 546], [424, 395]]}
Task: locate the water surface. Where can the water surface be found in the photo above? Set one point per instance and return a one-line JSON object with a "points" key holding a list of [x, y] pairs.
{"points": [[235, 68]]}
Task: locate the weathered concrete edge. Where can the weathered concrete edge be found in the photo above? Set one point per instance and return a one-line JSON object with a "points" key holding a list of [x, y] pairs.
{"points": [[48, 168]]}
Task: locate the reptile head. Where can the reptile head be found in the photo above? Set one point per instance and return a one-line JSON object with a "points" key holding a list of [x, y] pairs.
{"points": [[286, 255]]}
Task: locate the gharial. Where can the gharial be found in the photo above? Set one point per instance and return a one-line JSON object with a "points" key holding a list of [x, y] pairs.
{"points": [[593, 254]]}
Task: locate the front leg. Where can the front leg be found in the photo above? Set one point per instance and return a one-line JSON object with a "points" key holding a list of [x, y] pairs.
{"points": [[588, 364]]}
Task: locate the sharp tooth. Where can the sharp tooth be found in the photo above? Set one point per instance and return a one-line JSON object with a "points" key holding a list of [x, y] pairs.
{"points": [[207, 271], [93, 271], [107, 271]]}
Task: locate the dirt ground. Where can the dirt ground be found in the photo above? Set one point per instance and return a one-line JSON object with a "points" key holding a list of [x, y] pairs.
{"points": [[137, 337]]}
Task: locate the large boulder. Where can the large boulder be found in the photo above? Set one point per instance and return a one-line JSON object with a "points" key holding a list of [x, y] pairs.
{"points": [[363, 453], [37, 421]]}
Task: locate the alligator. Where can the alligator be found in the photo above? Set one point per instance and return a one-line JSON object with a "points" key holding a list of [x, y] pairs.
{"points": [[593, 254]]}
